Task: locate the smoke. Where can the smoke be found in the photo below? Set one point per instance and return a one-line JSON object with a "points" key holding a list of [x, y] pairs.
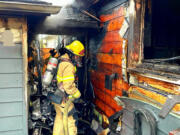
{"points": [[53, 21], [60, 2], [56, 22], [59, 22]]}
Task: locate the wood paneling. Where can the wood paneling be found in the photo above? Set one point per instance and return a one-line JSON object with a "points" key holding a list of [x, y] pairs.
{"points": [[98, 78], [107, 99], [154, 96], [121, 84], [115, 24], [111, 68], [98, 85], [117, 13], [25, 76], [164, 86], [134, 49], [99, 104], [106, 109], [117, 86], [110, 58], [105, 95], [15, 23], [111, 48], [112, 36]]}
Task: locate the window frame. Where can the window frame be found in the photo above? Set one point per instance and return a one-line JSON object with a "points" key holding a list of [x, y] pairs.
{"points": [[135, 60]]}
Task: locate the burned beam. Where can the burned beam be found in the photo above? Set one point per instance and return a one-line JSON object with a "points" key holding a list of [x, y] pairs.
{"points": [[174, 77]]}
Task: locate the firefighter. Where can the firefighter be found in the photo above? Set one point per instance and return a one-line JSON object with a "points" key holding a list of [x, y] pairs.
{"points": [[70, 57]]}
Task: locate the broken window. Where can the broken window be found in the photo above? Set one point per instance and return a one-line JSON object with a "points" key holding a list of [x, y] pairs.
{"points": [[161, 31], [154, 42]]}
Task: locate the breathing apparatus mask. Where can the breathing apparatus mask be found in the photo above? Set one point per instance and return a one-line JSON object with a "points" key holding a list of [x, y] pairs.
{"points": [[76, 60]]}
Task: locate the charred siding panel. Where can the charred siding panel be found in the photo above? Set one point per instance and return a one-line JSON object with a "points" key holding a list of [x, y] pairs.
{"points": [[161, 90], [106, 52]]}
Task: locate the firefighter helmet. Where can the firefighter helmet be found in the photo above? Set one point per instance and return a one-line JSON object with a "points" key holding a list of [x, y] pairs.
{"points": [[76, 47]]}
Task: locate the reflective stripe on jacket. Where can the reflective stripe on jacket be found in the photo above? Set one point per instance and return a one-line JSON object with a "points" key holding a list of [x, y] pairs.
{"points": [[66, 75]]}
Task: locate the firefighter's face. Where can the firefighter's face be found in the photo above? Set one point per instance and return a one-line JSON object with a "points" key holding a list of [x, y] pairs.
{"points": [[78, 61]]}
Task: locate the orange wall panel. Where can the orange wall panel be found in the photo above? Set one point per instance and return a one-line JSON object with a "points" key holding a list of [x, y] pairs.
{"points": [[111, 47], [115, 24], [98, 79], [100, 104], [112, 36], [121, 84], [110, 58], [107, 99], [100, 94], [106, 109], [112, 68], [101, 86], [118, 92], [104, 95]]}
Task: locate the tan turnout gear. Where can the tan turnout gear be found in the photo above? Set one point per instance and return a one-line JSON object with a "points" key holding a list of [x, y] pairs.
{"points": [[66, 82], [58, 123]]}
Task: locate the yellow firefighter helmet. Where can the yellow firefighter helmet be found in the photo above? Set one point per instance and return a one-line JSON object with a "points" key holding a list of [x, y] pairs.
{"points": [[76, 47]]}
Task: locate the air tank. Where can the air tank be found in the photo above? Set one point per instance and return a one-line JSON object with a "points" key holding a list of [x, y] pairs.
{"points": [[50, 71]]}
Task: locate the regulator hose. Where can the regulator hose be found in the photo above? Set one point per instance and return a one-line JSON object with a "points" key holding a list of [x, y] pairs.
{"points": [[149, 118]]}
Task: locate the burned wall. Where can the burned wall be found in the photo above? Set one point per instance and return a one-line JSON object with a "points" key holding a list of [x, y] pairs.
{"points": [[121, 26], [107, 53]]}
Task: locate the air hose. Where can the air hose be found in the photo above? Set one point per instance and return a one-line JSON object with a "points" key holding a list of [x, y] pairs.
{"points": [[149, 118], [65, 116]]}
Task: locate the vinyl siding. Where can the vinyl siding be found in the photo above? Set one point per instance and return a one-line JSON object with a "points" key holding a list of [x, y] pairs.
{"points": [[13, 120]]}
